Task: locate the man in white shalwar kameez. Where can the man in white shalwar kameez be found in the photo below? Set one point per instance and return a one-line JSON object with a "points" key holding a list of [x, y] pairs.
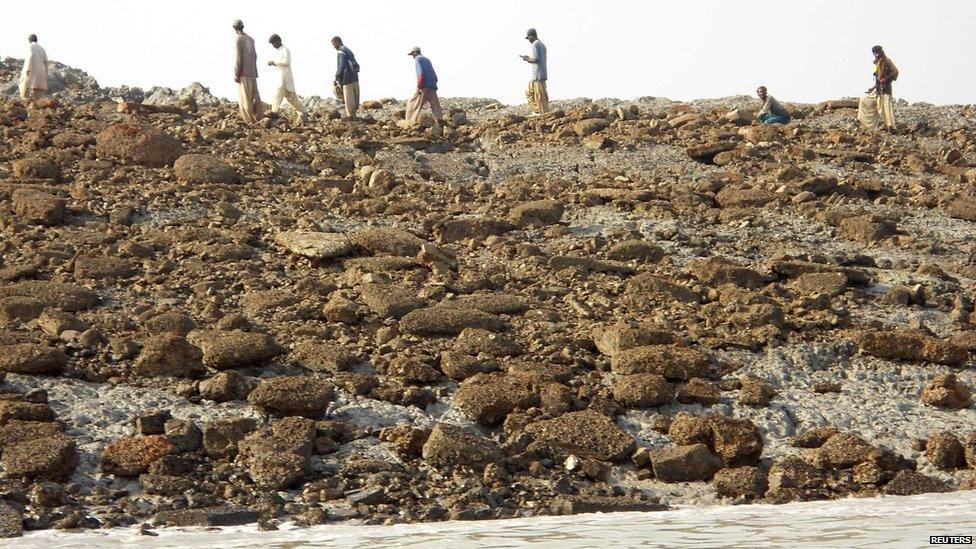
{"points": [[33, 78], [286, 87]]}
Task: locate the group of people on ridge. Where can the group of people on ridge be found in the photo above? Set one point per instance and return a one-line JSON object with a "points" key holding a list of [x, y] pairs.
{"points": [[346, 83], [875, 110]]}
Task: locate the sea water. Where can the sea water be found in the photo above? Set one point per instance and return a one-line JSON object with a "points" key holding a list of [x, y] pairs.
{"points": [[874, 522]]}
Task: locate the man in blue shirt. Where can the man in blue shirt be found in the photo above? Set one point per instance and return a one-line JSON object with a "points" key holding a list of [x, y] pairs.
{"points": [[537, 94], [347, 76], [426, 88]]}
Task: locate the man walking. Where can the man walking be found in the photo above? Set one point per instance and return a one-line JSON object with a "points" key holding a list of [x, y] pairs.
{"points": [[246, 76], [347, 76], [286, 87], [877, 107], [772, 112], [33, 77], [426, 88], [537, 94]]}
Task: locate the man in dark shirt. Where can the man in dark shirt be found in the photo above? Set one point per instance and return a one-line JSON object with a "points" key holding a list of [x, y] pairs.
{"points": [[347, 76]]}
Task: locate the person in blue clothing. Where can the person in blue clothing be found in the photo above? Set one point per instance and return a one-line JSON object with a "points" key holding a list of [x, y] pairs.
{"points": [[347, 76], [426, 88], [772, 112]]}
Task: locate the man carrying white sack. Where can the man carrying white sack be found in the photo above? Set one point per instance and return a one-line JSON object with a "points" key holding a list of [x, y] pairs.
{"points": [[33, 77], [286, 87], [426, 88]]}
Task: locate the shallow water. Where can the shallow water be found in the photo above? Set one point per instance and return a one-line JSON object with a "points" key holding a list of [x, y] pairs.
{"points": [[880, 522]]}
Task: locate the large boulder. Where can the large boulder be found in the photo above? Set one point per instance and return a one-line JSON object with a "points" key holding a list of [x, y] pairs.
{"points": [[450, 445], [716, 271], [642, 251], [698, 391], [52, 458], [946, 391], [293, 395], [866, 228], [132, 456], [235, 349], [38, 207], [384, 241], [227, 386], [649, 289], [794, 473], [642, 390], [945, 451], [845, 450], [169, 355], [391, 300], [539, 213], [910, 483], [170, 322], [911, 346], [585, 434], [31, 358], [11, 522], [95, 267], [741, 482], [315, 245], [17, 430], [56, 295], [278, 457], [496, 303], [736, 441], [134, 145], [612, 339], [220, 437], [475, 341], [37, 168], [448, 321], [685, 463], [11, 410], [732, 197], [686, 429], [323, 356], [489, 398], [198, 169], [962, 208], [670, 361], [19, 309]]}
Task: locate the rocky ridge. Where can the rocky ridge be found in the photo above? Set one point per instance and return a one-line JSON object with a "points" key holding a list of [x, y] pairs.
{"points": [[619, 305]]}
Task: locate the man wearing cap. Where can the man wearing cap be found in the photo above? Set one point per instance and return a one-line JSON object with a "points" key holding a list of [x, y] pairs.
{"points": [[772, 112], [537, 94], [347, 76], [33, 77], [885, 72], [286, 88], [246, 76], [426, 88]]}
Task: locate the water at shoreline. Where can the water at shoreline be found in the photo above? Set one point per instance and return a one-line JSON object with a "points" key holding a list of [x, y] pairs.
{"points": [[879, 522]]}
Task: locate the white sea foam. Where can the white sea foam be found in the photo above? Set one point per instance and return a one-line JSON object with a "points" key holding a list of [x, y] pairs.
{"points": [[879, 522]]}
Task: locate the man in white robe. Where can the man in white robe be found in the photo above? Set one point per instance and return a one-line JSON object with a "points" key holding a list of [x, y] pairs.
{"points": [[286, 87], [33, 77]]}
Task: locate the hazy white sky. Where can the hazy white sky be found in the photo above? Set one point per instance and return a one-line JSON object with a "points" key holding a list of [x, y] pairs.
{"points": [[803, 50]]}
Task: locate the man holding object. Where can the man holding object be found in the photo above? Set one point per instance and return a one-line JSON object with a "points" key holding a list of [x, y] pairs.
{"points": [[537, 94], [426, 88]]}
